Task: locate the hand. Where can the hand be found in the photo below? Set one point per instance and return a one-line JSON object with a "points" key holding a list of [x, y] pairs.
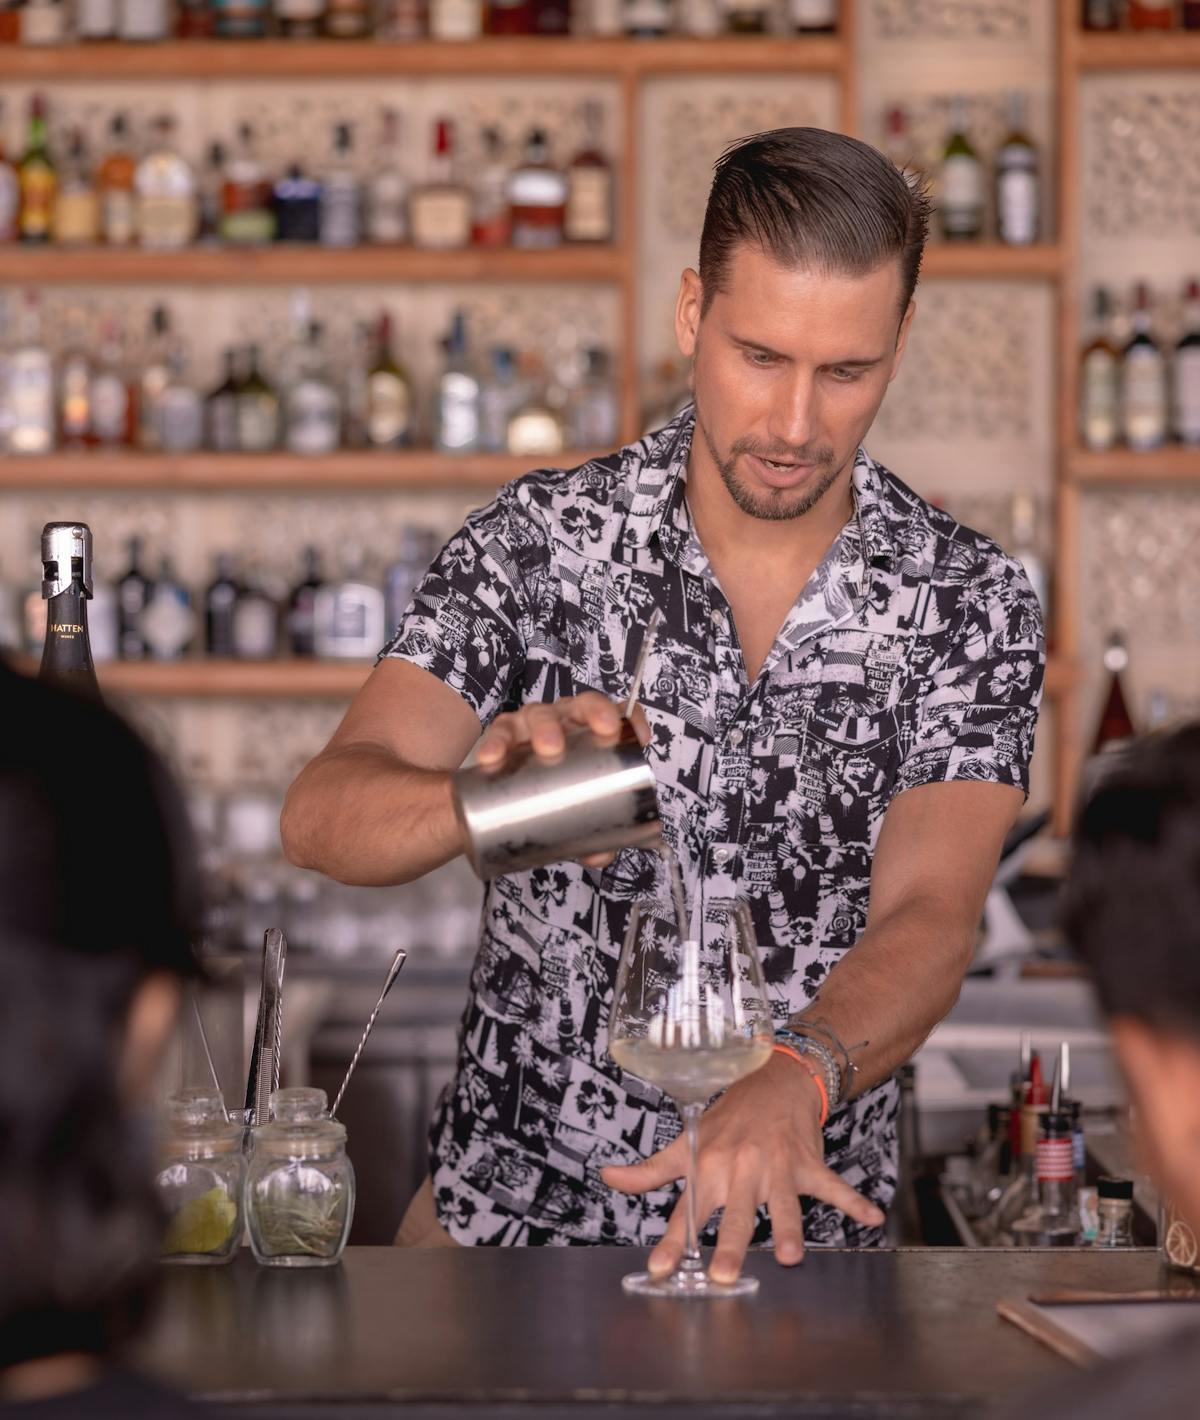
{"points": [[544, 728], [760, 1143]]}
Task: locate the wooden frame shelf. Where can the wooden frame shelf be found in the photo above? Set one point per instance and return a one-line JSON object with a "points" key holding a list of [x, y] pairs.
{"points": [[308, 265], [498, 57], [1127, 468], [402, 469], [1172, 49], [982, 261]]}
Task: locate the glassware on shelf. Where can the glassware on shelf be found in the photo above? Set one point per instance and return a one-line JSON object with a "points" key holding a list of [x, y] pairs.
{"points": [[1115, 1211], [167, 206], [691, 1017], [200, 1179], [300, 1187], [342, 195]]}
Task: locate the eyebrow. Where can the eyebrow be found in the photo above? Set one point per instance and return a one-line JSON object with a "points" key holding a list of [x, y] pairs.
{"points": [[779, 355]]}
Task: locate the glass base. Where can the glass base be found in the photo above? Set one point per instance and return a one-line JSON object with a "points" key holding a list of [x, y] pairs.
{"points": [[686, 1284]]}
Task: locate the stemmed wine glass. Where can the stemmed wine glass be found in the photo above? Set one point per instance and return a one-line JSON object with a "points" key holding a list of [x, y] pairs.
{"points": [[690, 1017]]}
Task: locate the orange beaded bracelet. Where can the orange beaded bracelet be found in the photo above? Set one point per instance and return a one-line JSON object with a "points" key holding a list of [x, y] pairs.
{"points": [[815, 1074]]}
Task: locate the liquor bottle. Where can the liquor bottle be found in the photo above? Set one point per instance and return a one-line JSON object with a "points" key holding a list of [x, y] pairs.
{"points": [[1191, 14], [166, 192], [246, 215], [647, 19], [1185, 370], [405, 574], [299, 19], [1143, 380], [239, 19], [1053, 1220], [535, 430], [698, 19], [401, 20], [440, 209], [813, 17], [312, 411], [133, 594], [43, 22], [605, 19], [347, 19], [961, 199], [1151, 14], [113, 409], [143, 21], [10, 193], [220, 601], [1115, 728], [195, 19], [220, 408], [1101, 14], [76, 220], [341, 199], [897, 140], [1025, 550], [102, 621], [38, 178], [537, 197], [96, 19], [302, 605], [551, 17], [390, 415], [1018, 199], [354, 385], [155, 376], [456, 403], [1100, 380], [387, 190], [168, 622], [348, 615], [257, 409], [30, 385], [510, 17], [296, 200], [746, 17], [66, 590], [490, 225], [74, 383], [180, 407], [593, 415], [210, 188], [255, 622], [500, 397], [455, 19], [114, 184], [589, 214]]}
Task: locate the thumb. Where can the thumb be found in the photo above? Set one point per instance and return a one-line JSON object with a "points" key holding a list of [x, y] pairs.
{"points": [[659, 1169]]}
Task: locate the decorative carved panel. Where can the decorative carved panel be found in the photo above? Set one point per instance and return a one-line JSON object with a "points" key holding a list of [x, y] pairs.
{"points": [[964, 20]]}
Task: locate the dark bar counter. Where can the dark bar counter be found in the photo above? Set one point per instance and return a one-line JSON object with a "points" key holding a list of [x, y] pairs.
{"points": [[548, 1332]]}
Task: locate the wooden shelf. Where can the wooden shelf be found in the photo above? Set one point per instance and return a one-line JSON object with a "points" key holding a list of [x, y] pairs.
{"points": [[1126, 468], [326, 59], [278, 472], [1173, 49], [991, 261], [308, 265]]}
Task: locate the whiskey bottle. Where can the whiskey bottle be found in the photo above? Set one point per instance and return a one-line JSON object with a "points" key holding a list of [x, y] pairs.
{"points": [[246, 215], [1017, 196], [1143, 380], [1185, 370], [1100, 380], [490, 226], [960, 205], [166, 192], [589, 212], [387, 191], [114, 184], [76, 219], [38, 178], [440, 209], [537, 197], [66, 590]]}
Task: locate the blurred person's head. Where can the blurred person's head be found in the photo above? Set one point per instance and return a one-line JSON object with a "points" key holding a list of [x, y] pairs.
{"points": [[1132, 912], [797, 318], [98, 905]]}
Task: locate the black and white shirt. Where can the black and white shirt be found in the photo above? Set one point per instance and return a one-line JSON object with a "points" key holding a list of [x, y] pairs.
{"points": [[913, 655]]}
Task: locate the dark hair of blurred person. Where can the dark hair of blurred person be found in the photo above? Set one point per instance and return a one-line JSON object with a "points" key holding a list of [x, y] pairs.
{"points": [[1131, 909], [98, 905]]}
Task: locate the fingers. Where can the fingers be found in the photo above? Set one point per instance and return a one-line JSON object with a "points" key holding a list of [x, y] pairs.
{"points": [[641, 726], [668, 1251], [828, 1187], [787, 1225], [657, 1171], [544, 727], [737, 1228], [598, 860]]}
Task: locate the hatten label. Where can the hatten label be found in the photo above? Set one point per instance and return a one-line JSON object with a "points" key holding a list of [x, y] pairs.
{"points": [[66, 628]]}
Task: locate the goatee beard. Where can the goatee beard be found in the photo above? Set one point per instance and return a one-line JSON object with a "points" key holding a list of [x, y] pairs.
{"points": [[781, 505]]}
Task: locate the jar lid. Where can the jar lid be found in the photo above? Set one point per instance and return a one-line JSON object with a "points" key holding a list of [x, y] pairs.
{"points": [[197, 1125], [300, 1126], [1115, 1188]]}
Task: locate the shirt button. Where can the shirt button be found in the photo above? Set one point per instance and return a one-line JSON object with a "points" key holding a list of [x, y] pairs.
{"points": [[736, 737], [717, 618], [720, 856]]}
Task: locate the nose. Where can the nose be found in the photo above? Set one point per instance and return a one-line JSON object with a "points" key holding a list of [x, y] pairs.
{"points": [[793, 413]]}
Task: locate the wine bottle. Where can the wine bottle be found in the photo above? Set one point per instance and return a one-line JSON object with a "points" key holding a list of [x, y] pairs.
{"points": [[66, 588]]}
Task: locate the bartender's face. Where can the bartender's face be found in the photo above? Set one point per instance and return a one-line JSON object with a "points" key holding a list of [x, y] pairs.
{"points": [[790, 367]]}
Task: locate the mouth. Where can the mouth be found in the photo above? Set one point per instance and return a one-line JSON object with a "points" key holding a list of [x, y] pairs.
{"points": [[780, 473]]}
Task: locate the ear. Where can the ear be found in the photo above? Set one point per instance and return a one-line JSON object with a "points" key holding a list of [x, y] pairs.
{"points": [[148, 1027], [902, 339], [687, 312]]}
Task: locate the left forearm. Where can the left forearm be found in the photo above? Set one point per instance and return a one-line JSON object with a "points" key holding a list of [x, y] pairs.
{"points": [[891, 988]]}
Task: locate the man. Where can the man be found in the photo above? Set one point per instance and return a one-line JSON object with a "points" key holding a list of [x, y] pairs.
{"points": [[839, 710], [1132, 912]]}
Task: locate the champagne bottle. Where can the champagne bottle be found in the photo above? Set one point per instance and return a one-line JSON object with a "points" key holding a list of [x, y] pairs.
{"points": [[66, 588]]}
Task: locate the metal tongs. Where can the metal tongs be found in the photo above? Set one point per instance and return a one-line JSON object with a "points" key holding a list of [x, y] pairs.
{"points": [[268, 1033]]}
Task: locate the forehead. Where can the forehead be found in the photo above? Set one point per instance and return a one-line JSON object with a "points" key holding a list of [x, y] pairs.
{"points": [[761, 298]]}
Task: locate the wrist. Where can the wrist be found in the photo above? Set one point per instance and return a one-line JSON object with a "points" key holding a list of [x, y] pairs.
{"points": [[816, 1056], [803, 1070]]}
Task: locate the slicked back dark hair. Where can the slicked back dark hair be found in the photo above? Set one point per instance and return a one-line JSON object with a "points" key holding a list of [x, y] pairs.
{"points": [[813, 199], [1131, 904]]}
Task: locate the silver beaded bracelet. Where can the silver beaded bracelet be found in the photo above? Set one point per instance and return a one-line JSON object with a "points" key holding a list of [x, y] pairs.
{"points": [[825, 1058]]}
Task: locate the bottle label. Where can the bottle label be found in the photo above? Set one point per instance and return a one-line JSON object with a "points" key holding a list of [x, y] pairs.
{"points": [[1099, 398], [962, 192], [1018, 207], [76, 217], [312, 426], [456, 19], [814, 14], [1187, 394], [254, 226], [589, 205], [1144, 398], [143, 19], [702, 19], [441, 218], [1055, 1160], [302, 11], [38, 186], [166, 221], [389, 410], [346, 19], [96, 19], [110, 408], [254, 628], [31, 403], [257, 423], [387, 216], [118, 216]]}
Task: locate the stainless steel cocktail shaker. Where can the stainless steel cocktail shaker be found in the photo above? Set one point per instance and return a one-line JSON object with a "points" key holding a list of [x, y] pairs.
{"points": [[596, 797]]}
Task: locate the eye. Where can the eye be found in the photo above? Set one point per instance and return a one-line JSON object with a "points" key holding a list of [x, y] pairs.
{"points": [[760, 358], [844, 376]]}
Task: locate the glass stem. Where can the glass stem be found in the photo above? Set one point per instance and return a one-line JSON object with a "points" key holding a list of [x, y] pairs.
{"points": [[692, 1261]]}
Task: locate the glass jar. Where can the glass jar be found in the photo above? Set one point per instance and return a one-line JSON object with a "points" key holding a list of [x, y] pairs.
{"points": [[1114, 1209], [201, 1179], [1176, 1239], [300, 1190]]}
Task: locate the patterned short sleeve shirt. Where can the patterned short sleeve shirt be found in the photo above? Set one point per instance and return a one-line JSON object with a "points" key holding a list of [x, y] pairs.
{"points": [[914, 655]]}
